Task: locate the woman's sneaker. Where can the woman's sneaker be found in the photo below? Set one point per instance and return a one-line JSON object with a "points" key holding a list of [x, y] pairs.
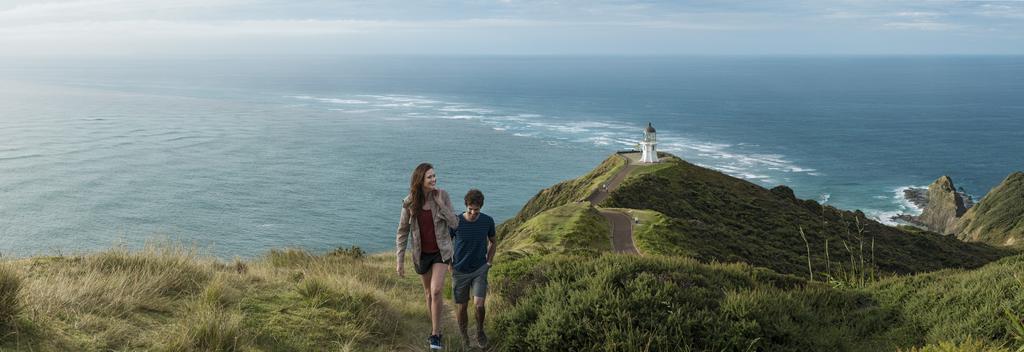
{"points": [[435, 342]]}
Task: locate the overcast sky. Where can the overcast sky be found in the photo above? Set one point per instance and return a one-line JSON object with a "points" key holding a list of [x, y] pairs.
{"points": [[229, 27]]}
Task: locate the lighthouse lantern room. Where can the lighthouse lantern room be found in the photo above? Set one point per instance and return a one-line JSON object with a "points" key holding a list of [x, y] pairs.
{"points": [[650, 154]]}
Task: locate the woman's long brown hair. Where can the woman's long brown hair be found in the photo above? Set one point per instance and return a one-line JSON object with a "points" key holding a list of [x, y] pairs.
{"points": [[416, 188]]}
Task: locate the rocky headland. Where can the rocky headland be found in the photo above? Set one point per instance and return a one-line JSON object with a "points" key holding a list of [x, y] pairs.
{"points": [[949, 210]]}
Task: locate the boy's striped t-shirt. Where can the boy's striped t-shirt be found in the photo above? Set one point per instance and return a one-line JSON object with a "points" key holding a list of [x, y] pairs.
{"points": [[470, 240]]}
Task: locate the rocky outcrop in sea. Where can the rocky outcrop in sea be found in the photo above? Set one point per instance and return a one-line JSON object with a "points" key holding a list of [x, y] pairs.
{"points": [[942, 205]]}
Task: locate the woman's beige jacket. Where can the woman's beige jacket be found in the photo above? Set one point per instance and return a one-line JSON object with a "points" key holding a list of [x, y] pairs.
{"points": [[444, 218]]}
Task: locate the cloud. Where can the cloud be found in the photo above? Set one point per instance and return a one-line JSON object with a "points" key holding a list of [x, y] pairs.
{"points": [[921, 26], [1013, 11], [581, 25]]}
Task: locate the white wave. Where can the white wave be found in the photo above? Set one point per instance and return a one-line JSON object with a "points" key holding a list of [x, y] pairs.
{"points": [[413, 99], [463, 108], [905, 205], [329, 100], [361, 111], [457, 117], [598, 140], [343, 101], [824, 197], [396, 105], [884, 216]]}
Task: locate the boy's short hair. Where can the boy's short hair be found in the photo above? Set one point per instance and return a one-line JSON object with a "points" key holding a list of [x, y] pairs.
{"points": [[475, 197]]}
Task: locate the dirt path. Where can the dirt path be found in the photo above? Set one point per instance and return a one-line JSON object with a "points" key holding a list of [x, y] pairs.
{"points": [[622, 231], [600, 194], [622, 224]]}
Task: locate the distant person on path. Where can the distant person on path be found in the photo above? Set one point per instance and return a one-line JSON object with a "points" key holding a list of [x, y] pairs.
{"points": [[474, 254], [428, 216]]}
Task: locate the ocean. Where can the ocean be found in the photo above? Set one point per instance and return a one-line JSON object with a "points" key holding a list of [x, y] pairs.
{"points": [[238, 155]]}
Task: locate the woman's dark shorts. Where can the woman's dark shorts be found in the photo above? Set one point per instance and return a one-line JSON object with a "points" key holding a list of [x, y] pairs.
{"points": [[427, 261]]}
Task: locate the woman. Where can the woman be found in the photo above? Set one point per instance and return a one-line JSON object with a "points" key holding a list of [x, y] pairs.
{"points": [[427, 215]]}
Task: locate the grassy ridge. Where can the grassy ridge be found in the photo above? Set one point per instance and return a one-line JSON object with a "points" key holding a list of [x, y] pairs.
{"points": [[563, 193], [713, 216], [570, 227], [166, 298]]}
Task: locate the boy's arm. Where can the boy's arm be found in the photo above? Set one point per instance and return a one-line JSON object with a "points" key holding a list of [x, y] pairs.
{"points": [[446, 211], [492, 244]]}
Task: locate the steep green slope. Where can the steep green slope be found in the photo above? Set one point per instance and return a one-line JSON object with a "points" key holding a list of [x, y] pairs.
{"points": [[571, 227], [998, 218], [957, 304], [563, 193], [713, 216]]}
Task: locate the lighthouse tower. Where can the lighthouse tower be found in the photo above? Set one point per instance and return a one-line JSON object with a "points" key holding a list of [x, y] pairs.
{"points": [[650, 155]]}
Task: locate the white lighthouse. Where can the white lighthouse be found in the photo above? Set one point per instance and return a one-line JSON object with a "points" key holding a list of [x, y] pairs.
{"points": [[650, 155]]}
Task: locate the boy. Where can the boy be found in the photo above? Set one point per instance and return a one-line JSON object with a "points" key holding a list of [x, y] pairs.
{"points": [[474, 252]]}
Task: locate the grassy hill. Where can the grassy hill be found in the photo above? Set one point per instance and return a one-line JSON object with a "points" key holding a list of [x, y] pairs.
{"points": [[996, 219], [715, 217]]}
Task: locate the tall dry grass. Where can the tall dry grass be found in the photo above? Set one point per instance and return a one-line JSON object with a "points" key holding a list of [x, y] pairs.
{"points": [[167, 297]]}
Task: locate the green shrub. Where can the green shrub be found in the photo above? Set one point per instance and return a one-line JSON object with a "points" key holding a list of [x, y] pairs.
{"points": [[627, 303], [353, 252]]}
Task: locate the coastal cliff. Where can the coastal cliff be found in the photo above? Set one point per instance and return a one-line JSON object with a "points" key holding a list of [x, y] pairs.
{"points": [[997, 219], [944, 208]]}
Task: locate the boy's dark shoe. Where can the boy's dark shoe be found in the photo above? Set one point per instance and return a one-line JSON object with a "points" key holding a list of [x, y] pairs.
{"points": [[481, 339]]}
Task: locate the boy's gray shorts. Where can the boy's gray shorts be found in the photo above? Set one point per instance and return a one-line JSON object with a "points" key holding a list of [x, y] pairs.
{"points": [[463, 282]]}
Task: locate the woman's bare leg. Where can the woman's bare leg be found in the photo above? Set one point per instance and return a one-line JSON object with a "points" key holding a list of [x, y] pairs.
{"points": [[426, 289], [438, 272]]}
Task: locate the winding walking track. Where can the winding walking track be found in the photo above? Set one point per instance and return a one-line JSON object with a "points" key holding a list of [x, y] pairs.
{"points": [[622, 224]]}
